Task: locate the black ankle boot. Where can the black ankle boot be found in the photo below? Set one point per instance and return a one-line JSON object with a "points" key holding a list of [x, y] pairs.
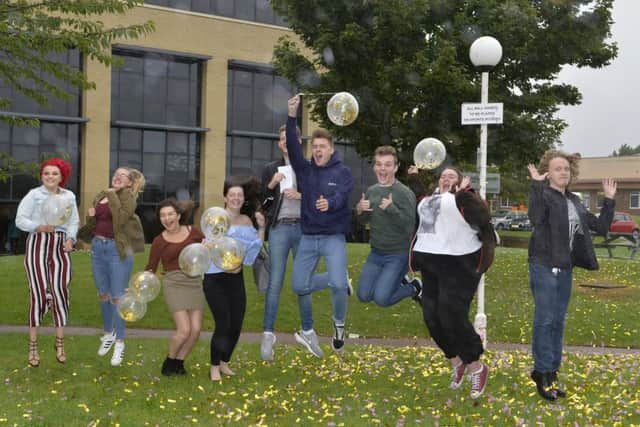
{"points": [[553, 379], [180, 367], [168, 366], [543, 384]]}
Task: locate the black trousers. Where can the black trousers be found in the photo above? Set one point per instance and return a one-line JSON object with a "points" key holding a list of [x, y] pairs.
{"points": [[449, 284], [227, 299]]}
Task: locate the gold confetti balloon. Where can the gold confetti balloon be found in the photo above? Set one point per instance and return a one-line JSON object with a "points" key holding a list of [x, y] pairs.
{"points": [[215, 222], [429, 153], [145, 285], [226, 253], [194, 259], [55, 210], [131, 308], [342, 109]]}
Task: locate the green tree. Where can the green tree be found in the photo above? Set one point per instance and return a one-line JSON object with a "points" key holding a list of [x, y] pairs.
{"points": [[626, 150], [30, 31], [407, 62]]}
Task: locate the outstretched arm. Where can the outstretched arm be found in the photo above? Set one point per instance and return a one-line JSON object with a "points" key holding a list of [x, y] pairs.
{"points": [[294, 148]]}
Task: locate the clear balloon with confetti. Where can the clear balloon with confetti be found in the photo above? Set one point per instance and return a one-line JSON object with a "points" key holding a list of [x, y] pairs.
{"points": [[429, 153]]}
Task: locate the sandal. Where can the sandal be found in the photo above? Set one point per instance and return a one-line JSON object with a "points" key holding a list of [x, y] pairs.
{"points": [[34, 358], [59, 348]]}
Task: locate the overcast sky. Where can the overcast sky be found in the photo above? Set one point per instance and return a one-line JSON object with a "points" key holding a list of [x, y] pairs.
{"points": [[609, 115]]}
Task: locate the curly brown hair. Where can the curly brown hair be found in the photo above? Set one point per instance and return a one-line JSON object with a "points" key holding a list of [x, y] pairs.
{"points": [[573, 160]]}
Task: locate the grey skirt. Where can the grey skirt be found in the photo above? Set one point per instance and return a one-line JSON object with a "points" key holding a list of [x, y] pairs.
{"points": [[182, 292]]}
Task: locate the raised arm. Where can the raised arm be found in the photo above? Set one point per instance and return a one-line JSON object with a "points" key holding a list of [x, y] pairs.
{"points": [[537, 208], [602, 223], [294, 148]]}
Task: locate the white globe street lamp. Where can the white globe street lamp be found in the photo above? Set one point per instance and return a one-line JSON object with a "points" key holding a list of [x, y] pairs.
{"points": [[485, 53]]}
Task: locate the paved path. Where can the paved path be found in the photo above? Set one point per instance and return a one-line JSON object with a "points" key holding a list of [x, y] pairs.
{"points": [[287, 338]]}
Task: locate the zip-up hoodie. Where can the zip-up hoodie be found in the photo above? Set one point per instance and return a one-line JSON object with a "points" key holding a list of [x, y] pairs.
{"points": [[332, 181]]}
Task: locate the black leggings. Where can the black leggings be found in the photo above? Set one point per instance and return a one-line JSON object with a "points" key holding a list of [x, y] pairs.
{"points": [[449, 284], [227, 300]]}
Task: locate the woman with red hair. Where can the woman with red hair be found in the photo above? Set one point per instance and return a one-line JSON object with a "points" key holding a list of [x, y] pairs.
{"points": [[47, 261]]}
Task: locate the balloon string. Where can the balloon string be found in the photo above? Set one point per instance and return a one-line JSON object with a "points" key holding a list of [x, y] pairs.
{"points": [[316, 94]]}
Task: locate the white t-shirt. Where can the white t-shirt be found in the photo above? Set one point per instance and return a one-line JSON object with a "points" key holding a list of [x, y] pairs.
{"points": [[443, 229]]}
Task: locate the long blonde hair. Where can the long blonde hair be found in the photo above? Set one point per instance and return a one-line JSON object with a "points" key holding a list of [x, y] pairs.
{"points": [[137, 180]]}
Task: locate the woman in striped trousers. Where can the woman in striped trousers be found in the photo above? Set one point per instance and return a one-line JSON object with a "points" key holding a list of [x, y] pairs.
{"points": [[52, 229]]}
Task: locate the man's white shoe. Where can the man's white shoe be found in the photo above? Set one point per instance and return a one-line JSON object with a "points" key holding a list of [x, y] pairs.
{"points": [[106, 344], [118, 354]]}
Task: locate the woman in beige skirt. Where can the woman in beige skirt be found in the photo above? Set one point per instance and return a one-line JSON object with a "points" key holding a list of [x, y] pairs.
{"points": [[183, 294]]}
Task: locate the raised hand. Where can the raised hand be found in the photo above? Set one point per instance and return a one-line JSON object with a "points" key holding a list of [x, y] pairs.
{"points": [[385, 202], [292, 106], [535, 175], [363, 205], [276, 179], [466, 181], [609, 187], [322, 204]]}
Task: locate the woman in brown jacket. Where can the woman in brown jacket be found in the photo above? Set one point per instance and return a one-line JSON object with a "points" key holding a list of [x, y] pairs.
{"points": [[115, 232]]}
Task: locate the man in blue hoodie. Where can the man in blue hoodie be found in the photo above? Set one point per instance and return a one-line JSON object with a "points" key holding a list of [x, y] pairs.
{"points": [[325, 183]]}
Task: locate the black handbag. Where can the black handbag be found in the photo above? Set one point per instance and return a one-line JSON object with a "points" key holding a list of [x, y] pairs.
{"points": [[262, 270]]}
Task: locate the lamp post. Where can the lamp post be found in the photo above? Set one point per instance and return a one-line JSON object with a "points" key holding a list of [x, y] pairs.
{"points": [[485, 53]]}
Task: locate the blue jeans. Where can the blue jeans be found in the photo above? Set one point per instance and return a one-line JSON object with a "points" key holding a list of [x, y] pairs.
{"points": [[282, 239], [381, 278], [551, 292], [333, 248], [111, 275]]}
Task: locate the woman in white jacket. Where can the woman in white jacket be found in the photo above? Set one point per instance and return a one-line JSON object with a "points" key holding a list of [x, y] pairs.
{"points": [[47, 260], [454, 247]]}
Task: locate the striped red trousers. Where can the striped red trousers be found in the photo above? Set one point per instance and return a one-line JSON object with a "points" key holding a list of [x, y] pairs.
{"points": [[48, 268]]}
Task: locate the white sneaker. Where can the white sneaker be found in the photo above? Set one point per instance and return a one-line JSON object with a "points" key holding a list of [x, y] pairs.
{"points": [[118, 354], [266, 347], [105, 345]]}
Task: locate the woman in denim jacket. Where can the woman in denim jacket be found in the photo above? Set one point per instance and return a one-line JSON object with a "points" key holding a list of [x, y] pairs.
{"points": [[560, 240], [47, 260]]}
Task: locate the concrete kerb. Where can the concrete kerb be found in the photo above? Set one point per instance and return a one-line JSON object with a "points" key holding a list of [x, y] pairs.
{"points": [[287, 338]]}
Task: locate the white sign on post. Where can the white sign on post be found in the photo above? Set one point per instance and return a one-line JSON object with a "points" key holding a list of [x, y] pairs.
{"points": [[482, 114]]}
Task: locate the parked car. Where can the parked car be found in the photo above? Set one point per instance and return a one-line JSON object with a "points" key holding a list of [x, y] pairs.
{"points": [[623, 223], [521, 222], [511, 220], [501, 220]]}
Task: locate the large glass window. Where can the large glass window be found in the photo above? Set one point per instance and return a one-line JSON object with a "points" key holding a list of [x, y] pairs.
{"points": [[155, 125], [248, 10], [634, 200], [256, 108], [155, 89], [58, 132], [28, 143], [57, 106], [170, 161]]}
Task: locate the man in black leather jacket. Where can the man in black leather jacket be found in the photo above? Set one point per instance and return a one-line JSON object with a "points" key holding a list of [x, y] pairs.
{"points": [[560, 240]]}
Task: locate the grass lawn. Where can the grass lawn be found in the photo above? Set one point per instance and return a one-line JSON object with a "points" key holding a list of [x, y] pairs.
{"points": [[365, 385], [596, 317]]}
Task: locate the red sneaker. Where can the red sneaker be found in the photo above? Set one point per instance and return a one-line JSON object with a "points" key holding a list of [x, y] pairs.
{"points": [[478, 381], [457, 375]]}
